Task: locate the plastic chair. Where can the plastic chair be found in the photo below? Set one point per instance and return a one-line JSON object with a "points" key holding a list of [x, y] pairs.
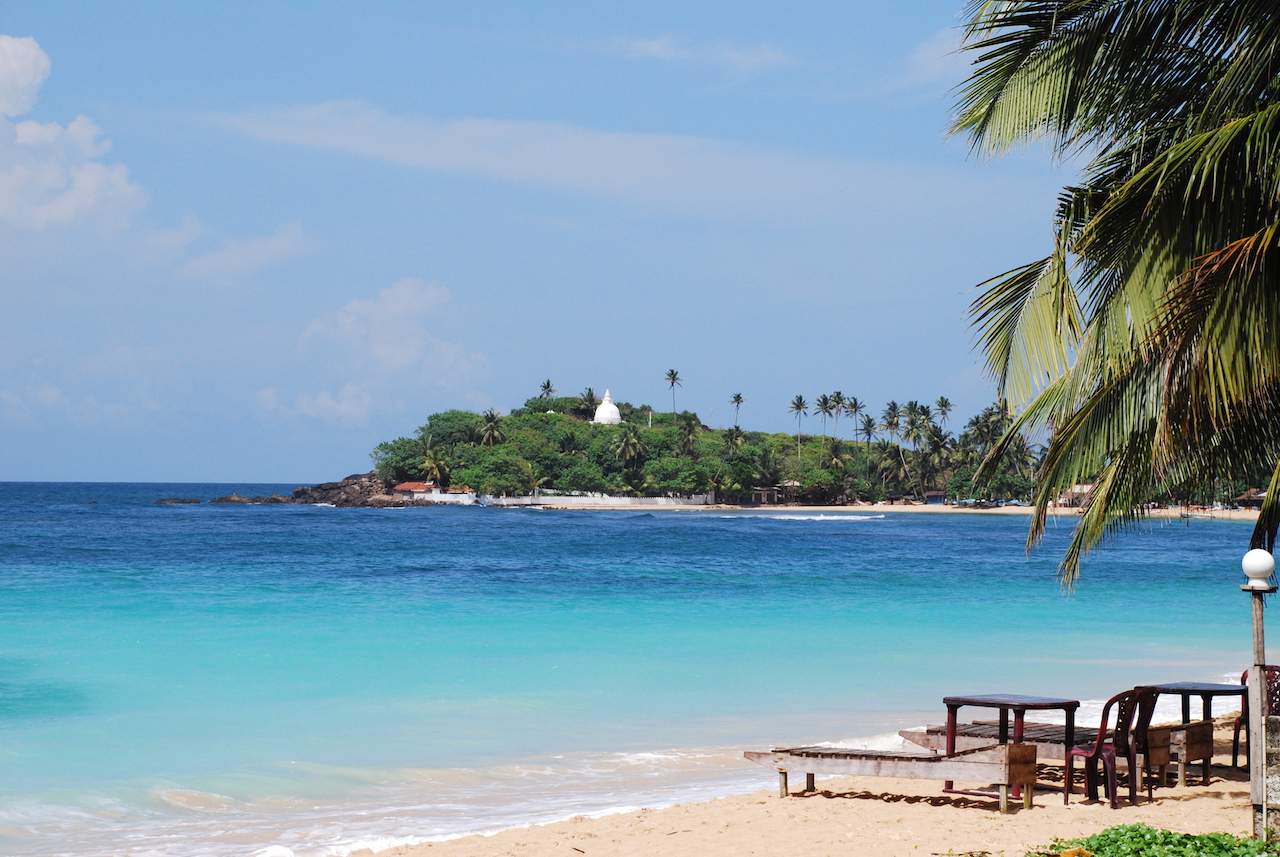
{"points": [[1242, 722], [1106, 747]]}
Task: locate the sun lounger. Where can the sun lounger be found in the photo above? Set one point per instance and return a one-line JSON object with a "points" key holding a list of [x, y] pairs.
{"points": [[1005, 765]]}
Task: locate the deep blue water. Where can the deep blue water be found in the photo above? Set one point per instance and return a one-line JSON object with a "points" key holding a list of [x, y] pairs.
{"points": [[220, 679]]}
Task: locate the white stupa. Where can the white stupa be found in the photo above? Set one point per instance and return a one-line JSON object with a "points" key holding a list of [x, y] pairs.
{"points": [[607, 412]]}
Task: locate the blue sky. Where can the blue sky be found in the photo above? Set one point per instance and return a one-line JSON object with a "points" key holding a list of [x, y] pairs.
{"points": [[248, 241]]}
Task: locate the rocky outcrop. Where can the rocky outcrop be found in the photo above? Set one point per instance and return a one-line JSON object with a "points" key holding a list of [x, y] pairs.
{"points": [[177, 501], [238, 500], [359, 489]]}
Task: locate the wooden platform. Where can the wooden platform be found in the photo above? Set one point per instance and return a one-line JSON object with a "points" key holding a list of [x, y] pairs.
{"points": [[1048, 738], [1004, 765]]}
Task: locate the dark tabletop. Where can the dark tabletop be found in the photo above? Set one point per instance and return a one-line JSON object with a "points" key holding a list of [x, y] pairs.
{"points": [[1012, 700], [1201, 688]]}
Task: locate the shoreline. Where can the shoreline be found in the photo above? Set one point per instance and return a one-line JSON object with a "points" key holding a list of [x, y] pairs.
{"points": [[895, 817], [887, 508]]}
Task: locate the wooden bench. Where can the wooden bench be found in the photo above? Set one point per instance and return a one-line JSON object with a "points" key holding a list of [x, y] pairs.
{"points": [[1005, 765]]}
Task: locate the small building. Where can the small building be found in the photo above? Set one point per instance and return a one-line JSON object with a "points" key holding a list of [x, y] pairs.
{"points": [[414, 490], [1076, 495], [764, 495], [1251, 499], [935, 498]]}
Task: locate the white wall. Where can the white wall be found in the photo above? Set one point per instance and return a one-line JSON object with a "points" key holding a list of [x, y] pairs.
{"points": [[588, 500]]}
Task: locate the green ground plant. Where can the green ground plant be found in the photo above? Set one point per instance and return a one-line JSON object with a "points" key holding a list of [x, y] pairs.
{"points": [[1139, 840]]}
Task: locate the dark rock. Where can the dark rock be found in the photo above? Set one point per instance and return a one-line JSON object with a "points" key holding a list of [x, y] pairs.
{"points": [[233, 499], [177, 501], [360, 489]]}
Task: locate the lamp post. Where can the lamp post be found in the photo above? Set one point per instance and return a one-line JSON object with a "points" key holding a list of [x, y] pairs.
{"points": [[1258, 566]]}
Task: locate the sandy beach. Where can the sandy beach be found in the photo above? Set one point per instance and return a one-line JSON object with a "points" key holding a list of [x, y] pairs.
{"points": [[860, 815], [1174, 513]]}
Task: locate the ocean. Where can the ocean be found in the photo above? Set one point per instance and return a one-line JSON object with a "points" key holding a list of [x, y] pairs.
{"points": [[299, 680]]}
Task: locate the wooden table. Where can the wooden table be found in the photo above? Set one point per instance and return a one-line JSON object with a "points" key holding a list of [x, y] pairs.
{"points": [[1206, 691], [1006, 702]]}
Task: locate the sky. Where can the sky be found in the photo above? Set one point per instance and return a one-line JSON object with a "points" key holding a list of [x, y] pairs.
{"points": [[248, 241]]}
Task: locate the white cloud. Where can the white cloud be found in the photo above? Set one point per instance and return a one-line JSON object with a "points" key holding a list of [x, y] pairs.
{"points": [[23, 69], [395, 330], [41, 400], [383, 348], [248, 255], [689, 174], [52, 174], [667, 48], [350, 405], [936, 60]]}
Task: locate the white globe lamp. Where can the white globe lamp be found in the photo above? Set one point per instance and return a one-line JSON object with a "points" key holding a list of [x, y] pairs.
{"points": [[1258, 566]]}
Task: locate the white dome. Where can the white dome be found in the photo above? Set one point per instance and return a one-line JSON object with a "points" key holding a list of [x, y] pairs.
{"points": [[607, 412]]}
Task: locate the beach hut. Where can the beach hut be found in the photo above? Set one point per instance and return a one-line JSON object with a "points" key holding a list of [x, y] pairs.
{"points": [[1251, 499], [764, 494], [935, 498]]}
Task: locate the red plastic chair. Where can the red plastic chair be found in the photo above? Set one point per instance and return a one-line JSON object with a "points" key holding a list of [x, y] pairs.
{"points": [[1242, 722], [1136, 704]]}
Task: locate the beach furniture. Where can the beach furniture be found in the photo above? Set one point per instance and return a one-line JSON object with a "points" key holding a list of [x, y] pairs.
{"points": [[1006, 765], [1006, 702], [1193, 741], [1272, 702], [1133, 711]]}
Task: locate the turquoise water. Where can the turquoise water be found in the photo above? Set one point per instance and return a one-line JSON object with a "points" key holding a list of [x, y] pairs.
{"points": [[296, 679]]}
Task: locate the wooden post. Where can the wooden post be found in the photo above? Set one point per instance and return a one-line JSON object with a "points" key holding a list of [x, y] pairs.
{"points": [[809, 784], [783, 791], [1004, 798]]}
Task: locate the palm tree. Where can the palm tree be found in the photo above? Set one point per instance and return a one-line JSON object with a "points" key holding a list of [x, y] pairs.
{"points": [[800, 408], [736, 400], [822, 405], [734, 439], [943, 407], [689, 427], [673, 381], [547, 390], [629, 447], [491, 433], [1145, 338], [434, 467], [854, 407], [837, 406], [587, 402], [891, 420], [868, 428], [530, 477]]}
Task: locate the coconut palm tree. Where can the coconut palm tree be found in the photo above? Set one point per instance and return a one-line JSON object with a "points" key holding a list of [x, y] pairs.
{"points": [[1145, 338], [822, 406], [854, 407], [673, 381], [530, 477], [837, 407], [434, 467], [628, 446], [547, 390], [891, 420], [734, 440], [736, 400], [868, 429], [491, 433], [943, 407], [587, 402], [800, 408], [688, 427]]}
